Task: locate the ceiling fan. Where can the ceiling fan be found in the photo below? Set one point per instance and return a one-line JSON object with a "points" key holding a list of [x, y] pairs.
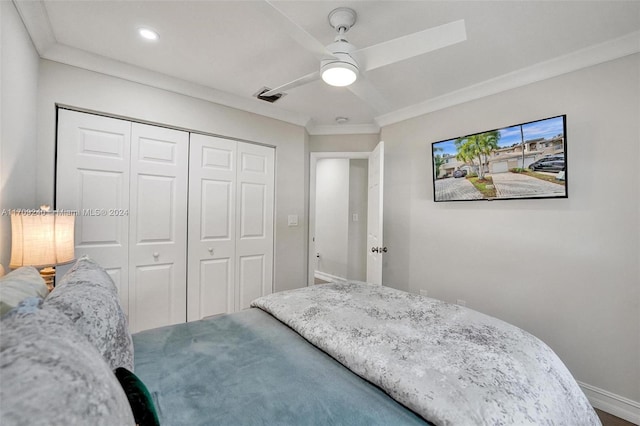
{"points": [[342, 64]]}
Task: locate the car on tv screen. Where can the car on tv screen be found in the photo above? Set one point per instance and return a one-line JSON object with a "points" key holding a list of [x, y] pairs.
{"points": [[552, 163]]}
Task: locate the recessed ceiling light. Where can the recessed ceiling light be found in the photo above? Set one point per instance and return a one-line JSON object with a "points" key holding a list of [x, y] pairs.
{"points": [[148, 34]]}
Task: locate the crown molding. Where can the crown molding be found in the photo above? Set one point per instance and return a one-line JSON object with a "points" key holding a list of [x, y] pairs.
{"points": [[36, 21], [342, 129], [590, 56], [100, 64]]}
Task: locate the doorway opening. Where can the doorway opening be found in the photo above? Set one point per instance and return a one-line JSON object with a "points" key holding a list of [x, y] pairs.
{"points": [[338, 216]]}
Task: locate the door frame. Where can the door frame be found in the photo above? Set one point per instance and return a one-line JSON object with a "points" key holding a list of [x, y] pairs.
{"points": [[313, 160]]}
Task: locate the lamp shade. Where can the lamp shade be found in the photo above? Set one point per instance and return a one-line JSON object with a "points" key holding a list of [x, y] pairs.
{"points": [[41, 239]]}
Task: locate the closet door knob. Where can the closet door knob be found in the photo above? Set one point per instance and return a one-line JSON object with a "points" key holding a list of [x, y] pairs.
{"points": [[374, 249], [156, 255], [210, 250]]}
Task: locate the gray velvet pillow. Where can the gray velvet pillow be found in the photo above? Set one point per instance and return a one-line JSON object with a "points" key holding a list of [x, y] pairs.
{"points": [[89, 298], [51, 374], [18, 285]]}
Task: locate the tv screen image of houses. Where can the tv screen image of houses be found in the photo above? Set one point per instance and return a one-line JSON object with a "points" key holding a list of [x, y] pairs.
{"points": [[527, 160]]}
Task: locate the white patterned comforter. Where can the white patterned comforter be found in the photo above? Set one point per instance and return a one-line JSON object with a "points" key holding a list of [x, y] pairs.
{"points": [[451, 365]]}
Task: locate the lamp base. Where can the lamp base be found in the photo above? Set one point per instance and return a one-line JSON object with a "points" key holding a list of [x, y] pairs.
{"points": [[48, 275]]}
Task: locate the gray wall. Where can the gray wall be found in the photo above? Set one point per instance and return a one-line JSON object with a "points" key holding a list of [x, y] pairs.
{"points": [[18, 96], [566, 270]]}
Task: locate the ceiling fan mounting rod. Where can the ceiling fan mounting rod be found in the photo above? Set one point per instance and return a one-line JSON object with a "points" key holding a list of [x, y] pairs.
{"points": [[342, 19]]}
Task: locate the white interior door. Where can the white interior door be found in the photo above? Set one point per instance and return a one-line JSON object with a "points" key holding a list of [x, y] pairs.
{"points": [[158, 229], [375, 245], [92, 177], [212, 222], [254, 222], [231, 202]]}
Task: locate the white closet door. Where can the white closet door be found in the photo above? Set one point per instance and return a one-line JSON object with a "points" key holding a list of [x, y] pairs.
{"points": [[92, 177], [212, 222], [254, 223], [158, 229]]}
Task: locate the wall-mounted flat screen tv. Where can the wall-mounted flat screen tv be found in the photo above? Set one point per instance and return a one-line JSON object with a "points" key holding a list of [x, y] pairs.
{"points": [[527, 160]]}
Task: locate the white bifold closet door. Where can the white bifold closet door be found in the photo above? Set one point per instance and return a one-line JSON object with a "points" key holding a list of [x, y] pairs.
{"points": [[158, 226], [128, 182], [230, 255], [92, 177]]}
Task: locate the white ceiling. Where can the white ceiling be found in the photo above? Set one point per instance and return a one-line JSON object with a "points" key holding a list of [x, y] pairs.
{"points": [[226, 51]]}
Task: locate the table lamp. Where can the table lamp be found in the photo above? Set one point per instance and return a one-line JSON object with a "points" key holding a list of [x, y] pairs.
{"points": [[42, 239]]}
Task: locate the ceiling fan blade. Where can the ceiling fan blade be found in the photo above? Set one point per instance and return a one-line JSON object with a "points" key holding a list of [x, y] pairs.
{"points": [[411, 45], [295, 83], [363, 89], [295, 31]]}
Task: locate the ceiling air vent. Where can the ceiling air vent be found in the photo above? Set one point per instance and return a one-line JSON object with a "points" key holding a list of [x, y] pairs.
{"points": [[270, 99]]}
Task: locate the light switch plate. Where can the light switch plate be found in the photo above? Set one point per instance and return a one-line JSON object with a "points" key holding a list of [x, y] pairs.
{"points": [[292, 220]]}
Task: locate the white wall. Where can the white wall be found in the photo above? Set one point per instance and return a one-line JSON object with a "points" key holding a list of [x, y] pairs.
{"points": [[18, 95], [566, 270], [332, 214], [343, 143], [79, 88], [357, 250]]}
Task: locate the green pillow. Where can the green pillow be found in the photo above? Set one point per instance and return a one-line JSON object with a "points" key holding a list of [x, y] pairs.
{"points": [[144, 412]]}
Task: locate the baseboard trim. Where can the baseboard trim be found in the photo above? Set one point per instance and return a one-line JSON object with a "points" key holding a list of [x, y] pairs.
{"points": [[327, 277], [617, 405]]}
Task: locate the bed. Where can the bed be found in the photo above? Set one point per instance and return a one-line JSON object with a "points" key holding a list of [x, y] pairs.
{"points": [[336, 354], [355, 353], [248, 368]]}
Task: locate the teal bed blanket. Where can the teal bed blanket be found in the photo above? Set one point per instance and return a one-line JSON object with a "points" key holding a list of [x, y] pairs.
{"points": [[248, 368]]}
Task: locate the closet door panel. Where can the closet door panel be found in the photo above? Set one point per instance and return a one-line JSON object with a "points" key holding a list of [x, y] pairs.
{"points": [[158, 234], [100, 193], [156, 194], [251, 280], [216, 210], [92, 178], [253, 218], [254, 233], [154, 294], [212, 223], [215, 291]]}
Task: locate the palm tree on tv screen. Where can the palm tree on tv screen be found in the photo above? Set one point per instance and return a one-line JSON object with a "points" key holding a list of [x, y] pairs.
{"points": [[478, 146], [466, 153], [437, 161]]}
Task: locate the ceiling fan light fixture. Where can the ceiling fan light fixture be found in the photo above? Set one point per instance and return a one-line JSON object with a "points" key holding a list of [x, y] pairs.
{"points": [[339, 73]]}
